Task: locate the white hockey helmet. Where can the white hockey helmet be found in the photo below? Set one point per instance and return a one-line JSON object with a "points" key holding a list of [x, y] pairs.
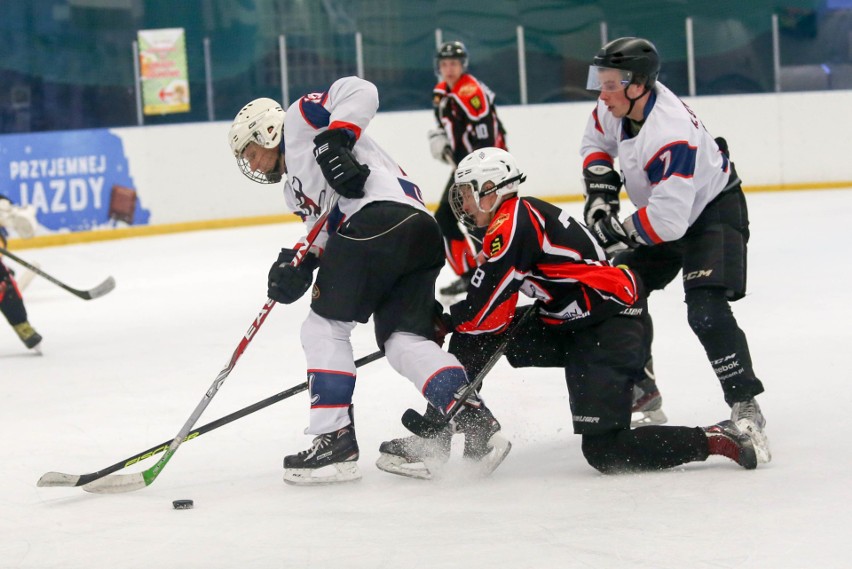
{"points": [[481, 173], [262, 122]]}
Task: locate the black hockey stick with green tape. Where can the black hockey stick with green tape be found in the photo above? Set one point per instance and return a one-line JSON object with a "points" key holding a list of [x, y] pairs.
{"points": [[98, 291], [118, 483], [60, 479]]}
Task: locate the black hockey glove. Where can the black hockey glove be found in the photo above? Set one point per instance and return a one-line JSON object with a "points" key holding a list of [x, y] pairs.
{"points": [[611, 234], [287, 283], [443, 324], [602, 187], [333, 153]]}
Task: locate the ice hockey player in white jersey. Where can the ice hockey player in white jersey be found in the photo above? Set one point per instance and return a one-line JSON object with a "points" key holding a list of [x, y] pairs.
{"points": [[22, 221], [378, 256], [691, 211]]}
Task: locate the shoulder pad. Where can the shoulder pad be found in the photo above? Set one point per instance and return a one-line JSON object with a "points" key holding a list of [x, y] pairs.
{"points": [[471, 96], [499, 232]]}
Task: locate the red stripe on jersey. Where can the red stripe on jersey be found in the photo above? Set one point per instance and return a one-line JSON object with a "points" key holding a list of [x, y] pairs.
{"points": [[538, 221], [599, 157], [441, 88], [497, 321], [608, 280], [341, 124], [642, 214], [471, 97], [598, 126]]}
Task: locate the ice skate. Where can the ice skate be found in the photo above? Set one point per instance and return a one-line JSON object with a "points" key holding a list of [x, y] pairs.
{"points": [[332, 459], [647, 402], [726, 439], [28, 335], [417, 457], [749, 419], [483, 442]]}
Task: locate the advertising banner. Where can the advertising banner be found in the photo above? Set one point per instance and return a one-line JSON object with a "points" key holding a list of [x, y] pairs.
{"points": [[162, 68], [75, 180]]}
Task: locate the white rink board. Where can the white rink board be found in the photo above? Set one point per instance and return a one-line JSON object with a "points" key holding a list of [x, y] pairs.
{"points": [[186, 172]]}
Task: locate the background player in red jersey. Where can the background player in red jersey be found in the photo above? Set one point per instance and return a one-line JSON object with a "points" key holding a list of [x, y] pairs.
{"points": [[467, 120], [11, 302]]}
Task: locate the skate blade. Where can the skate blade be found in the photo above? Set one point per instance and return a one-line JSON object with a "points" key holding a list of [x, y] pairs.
{"points": [[646, 418], [758, 439], [500, 448], [399, 466], [337, 473]]}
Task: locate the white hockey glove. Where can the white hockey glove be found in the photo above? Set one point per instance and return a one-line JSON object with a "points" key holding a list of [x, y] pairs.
{"points": [[21, 220], [602, 187], [615, 236], [439, 145]]}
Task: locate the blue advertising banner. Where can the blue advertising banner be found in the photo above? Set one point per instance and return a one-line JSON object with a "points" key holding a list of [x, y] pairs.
{"points": [[76, 180]]}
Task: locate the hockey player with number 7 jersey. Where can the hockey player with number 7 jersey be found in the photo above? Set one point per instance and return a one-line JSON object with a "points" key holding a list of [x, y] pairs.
{"points": [[378, 257], [691, 211]]}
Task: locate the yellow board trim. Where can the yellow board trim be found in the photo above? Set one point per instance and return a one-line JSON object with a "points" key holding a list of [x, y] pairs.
{"points": [[166, 228]]}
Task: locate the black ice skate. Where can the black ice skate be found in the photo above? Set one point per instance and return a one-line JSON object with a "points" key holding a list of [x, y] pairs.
{"points": [[749, 419], [414, 456], [647, 402], [725, 439], [331, 459], [483, 442], [28, 336]]}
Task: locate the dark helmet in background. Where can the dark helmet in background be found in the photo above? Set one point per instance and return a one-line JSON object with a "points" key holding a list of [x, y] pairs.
{"points": [[451, 50], [637, 56]]}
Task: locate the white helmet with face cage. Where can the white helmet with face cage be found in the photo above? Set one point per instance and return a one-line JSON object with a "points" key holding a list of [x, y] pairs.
{"points": [[262, 122], [481, 173]]}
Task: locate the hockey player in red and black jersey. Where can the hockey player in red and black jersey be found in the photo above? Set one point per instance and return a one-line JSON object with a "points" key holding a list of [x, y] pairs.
{"points": [[466, 120], [589, 322], [691, 215], [11, 302]]}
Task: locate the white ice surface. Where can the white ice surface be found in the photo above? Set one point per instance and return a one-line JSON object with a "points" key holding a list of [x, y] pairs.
{"points": [[124, 372]]}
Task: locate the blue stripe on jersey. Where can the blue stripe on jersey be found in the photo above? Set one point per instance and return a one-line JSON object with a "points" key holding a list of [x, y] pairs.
{"points": [[440, 388], [640, 229], [411, 190], [330, 388], [313, 111], [675, 159]]}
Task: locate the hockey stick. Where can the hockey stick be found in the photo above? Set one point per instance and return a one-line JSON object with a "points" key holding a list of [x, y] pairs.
{"points": [[118, 483], [100, 290], [423, 427], [55, 479]]}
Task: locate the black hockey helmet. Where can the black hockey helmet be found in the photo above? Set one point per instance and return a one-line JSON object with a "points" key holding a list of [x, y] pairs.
{"points": [[452, 50], [636, 55]]}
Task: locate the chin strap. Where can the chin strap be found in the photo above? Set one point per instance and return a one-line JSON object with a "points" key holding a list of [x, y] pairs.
{"points": [[633, 101]]}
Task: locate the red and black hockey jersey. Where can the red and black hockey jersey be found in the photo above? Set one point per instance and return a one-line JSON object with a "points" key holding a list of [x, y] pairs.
{"points": [[534, 247], [467, 114]]}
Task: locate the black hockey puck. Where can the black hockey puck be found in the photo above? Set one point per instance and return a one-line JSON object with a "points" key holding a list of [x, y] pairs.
{"points": [[182, 504]]}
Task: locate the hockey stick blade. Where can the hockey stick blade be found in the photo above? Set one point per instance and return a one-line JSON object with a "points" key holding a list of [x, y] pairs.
{"points": [[117, 483], [61, 479], [427, 429], [96, 292]]}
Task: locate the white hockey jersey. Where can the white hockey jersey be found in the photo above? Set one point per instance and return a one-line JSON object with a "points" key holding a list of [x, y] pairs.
{"points": [[672, 169], [350, 103]]}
